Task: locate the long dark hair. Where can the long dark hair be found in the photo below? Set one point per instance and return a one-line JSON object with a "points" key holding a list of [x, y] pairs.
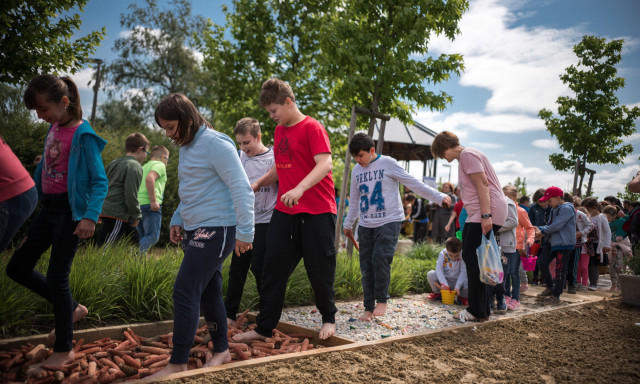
{"points": [[55, 88], [177, 106]]}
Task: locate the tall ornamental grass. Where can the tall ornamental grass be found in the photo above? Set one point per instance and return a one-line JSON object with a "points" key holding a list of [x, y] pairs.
{"points": [[119, 286]]}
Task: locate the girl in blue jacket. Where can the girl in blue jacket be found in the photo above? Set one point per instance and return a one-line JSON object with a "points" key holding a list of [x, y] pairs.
{"points": [[216, 214], [72, 185]]}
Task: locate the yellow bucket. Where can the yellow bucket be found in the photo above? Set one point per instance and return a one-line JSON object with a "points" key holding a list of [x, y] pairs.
{"points": [[447, 296]]}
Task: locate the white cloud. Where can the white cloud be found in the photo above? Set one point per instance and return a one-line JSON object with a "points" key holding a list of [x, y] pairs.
{"points": [[482, 145], [520, 66], [633, 105], [545, 144], [502, 123]]}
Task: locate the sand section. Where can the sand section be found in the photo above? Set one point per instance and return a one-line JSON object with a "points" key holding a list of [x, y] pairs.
{"points": [[596, 342]]}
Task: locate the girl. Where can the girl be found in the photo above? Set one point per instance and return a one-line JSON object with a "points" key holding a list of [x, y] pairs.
{"points": [[583, 227], [601, 226], [215, 194], [72, 189], [441, 230]]}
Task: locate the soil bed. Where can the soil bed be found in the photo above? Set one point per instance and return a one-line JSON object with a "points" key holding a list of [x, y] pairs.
{"points": [[594, 342]]}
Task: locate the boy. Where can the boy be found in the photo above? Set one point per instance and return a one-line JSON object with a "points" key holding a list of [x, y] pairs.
{"points": [[450, 272], [154, 179], [375, 185], [121, 210], [560, 234], [303, 220], [256, 160], [620, 245]]}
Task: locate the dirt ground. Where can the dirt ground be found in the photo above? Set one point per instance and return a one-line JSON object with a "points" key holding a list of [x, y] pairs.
{"points": [[595, 343]]}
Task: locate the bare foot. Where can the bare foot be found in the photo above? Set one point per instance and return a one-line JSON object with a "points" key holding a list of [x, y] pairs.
{"points": [[381, 308], [219, 359], [613, 288], [230, 322], [327, 330], [57, 359], [80, 313], [169, 369], [366, 317], [251, 335]]}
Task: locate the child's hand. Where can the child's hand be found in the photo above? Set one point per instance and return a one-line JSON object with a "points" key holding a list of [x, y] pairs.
{"points": [[175, 234], [85, 229], [457, 291], [444, 287], [446, 202], [155, 207], [446, 227], [242, 247], [618, 238], [347, 232], [291, 197]]}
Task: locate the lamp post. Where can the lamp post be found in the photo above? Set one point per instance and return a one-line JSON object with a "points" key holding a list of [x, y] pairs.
{"points": [[96, 87]]}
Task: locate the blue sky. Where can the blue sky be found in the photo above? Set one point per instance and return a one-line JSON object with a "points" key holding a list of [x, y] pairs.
{"points": [[514, 52]]}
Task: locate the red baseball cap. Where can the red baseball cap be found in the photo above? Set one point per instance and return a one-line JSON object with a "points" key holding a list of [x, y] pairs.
{"points": [[552, 192]]}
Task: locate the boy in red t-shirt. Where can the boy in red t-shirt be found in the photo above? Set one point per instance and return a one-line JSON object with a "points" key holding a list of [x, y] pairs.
{"points": [[303, 223]]}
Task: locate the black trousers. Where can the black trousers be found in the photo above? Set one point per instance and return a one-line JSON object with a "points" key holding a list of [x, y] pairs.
{"points": [[289, 239], [240, 265], [479, 292], [113, 230]]}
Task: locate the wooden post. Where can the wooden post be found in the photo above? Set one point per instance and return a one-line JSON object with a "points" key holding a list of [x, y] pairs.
{"points": [[591, 173], [575, 178], [345, 178], [381, 136]]}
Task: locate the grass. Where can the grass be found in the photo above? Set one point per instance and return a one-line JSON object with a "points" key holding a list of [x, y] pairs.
{"points": [[119, 286]]}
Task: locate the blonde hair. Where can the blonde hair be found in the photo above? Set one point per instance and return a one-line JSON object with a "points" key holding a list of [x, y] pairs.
{"points": [[510, 191]]}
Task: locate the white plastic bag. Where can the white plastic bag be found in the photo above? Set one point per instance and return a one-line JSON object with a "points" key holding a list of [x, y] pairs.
{"points": [[488, 252]]}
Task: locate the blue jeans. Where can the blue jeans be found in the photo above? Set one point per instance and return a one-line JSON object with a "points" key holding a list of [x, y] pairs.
{"points": [[149, 227], [377, 246], [53, 227], [512, 275], [14, 212], [199, 285]]}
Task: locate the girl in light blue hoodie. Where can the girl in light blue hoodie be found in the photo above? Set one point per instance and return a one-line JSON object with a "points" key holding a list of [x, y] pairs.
{"points": [[216, 215]]}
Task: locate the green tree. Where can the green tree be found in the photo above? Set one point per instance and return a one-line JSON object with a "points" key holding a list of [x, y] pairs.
{"points": [[18, 128], [121, 116], [628, 195], [35, 39], [376, 53], [263, 39], [521, 184], [157, 57], [592, 126]]}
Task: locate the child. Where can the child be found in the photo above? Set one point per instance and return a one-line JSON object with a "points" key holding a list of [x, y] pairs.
{"points": [[539, 215], [375, 184], [598, 254], [216, 208], [560, 234], [72, 192], [525, 236], [257, 160], [450, 272], [583, 227], [620, 245], [154, 179], [303, 220], [509, 246], [121, 210], [18, 194]]}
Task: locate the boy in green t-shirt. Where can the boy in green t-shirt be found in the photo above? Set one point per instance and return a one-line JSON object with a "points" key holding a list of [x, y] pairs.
{"points": [[154, 178]]}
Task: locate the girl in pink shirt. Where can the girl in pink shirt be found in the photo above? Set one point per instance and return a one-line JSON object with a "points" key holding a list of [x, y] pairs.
{"points": [[486, 208]]}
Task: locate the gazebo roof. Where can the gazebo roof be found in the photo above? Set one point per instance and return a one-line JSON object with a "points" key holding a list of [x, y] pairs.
{"points": [[405, 141]]}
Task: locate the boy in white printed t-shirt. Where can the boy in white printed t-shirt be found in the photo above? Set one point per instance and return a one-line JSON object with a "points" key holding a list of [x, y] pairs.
{"points": [[256, 160], [450, 272], [375, 191]]}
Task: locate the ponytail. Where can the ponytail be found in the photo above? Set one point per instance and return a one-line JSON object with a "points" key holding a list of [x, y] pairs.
{"points": [[74, 109], [55, 88]]}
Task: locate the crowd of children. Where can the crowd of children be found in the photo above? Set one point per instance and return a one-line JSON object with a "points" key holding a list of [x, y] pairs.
{"points": [[277, 206]]}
